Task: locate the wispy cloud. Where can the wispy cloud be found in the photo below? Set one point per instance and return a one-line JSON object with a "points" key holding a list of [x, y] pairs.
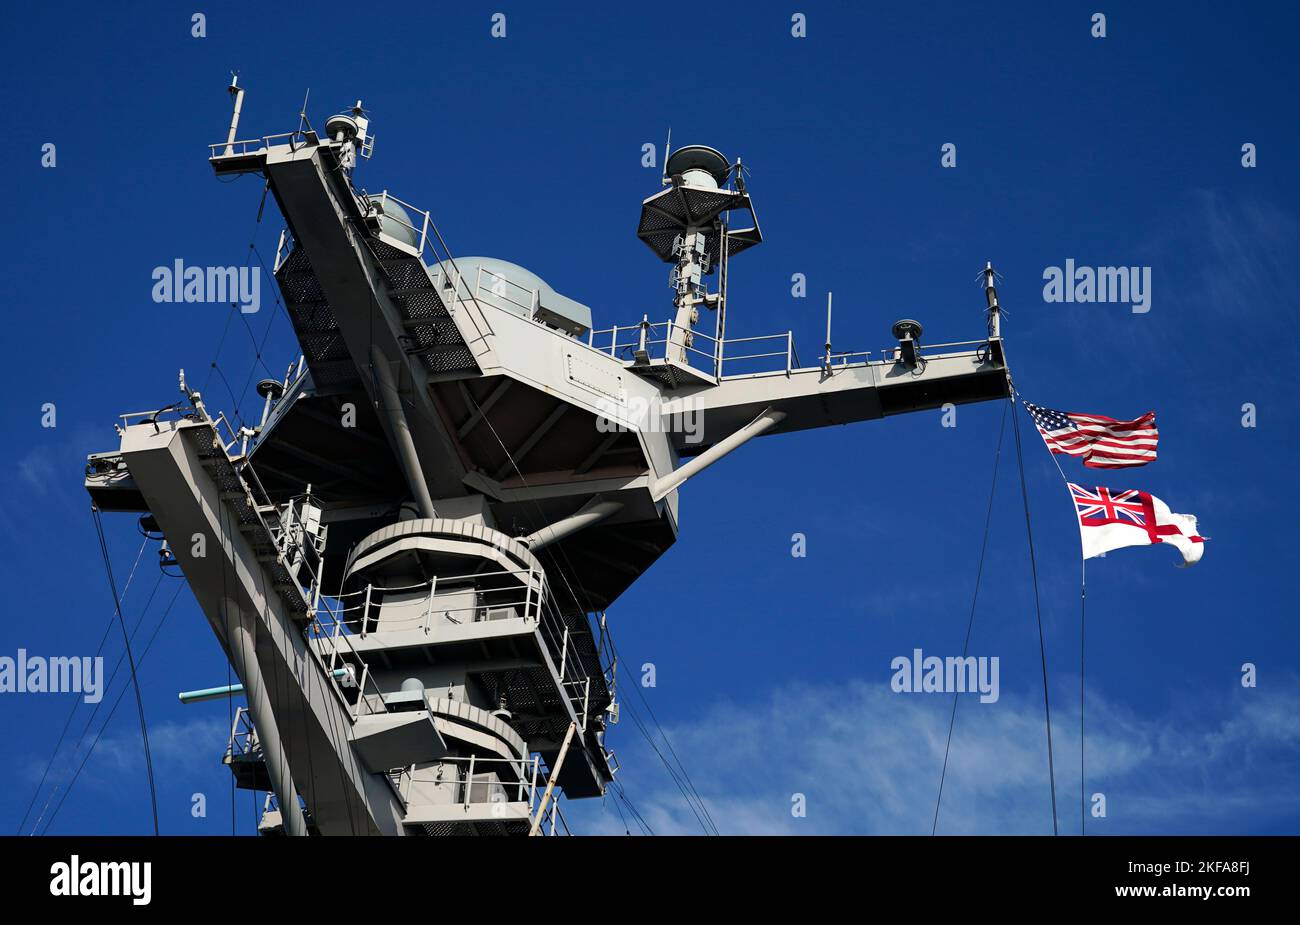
{"points": [[868, 761], [177, 748]]}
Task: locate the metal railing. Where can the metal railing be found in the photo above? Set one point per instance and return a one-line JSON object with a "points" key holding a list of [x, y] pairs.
{"points": [[476, 780], [252, 145], [503, 289], [496, 594], [551, 817], [243, 737], [429, 239], [302, 553], [286, 238], [510, 594], [768, 353], [893, 354], [343, 654], [651, 340], [178, 413]]}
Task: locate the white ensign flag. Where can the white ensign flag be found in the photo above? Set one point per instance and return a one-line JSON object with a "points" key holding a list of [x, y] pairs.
{"points": [[1111, 520]]}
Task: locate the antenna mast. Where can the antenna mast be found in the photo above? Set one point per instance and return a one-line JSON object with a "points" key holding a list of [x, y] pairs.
{"points": [[237, 92], [685, 226]]}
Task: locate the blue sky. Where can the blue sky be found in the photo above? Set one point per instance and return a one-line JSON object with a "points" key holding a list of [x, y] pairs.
{"points": [[772, 671]]}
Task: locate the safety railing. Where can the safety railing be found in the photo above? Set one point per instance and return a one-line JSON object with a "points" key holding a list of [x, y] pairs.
{"points": [[764, 353], [243, 737], [575, 677], [419, 232], [553, 821], [894, 354], [498, 595], [177, 412], [283, 248], [341, 653], [476, 780], [284, 527], [649, 340], [579, 693], [303, 554], [504, 594], [426, 237], [293, 139], [497, 288], [430, 247], [338, 620]]}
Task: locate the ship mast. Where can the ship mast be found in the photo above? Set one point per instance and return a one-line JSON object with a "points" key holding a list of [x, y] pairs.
{"points": [[404, 558]]}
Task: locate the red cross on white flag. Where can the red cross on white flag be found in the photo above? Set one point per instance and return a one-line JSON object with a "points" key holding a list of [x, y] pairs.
{"points": [[1114, 519]]}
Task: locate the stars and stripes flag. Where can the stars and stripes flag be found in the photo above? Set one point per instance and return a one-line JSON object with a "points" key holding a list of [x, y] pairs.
{"points": [[1114, 519], [1101, 442]]}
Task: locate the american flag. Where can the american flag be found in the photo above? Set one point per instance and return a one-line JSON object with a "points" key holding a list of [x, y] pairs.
{"points": [[1101, 442]]}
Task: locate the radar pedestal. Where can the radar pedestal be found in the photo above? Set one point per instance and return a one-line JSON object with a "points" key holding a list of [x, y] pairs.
{"points": [[686, 225]]}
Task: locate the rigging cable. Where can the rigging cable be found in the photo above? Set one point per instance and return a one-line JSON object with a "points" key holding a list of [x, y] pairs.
{"points": [[108, 685], [707, 822], [235, 309], [126, 589], [681, 767], [970, 624], [621, 794], [111, 713], [1083, 615], [130, 659], [645, 734], [627, 830], [1038, 609], [266, 334]]}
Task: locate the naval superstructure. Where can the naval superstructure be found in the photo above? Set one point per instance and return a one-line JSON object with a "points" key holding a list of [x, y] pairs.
{"points": [[409, 559]]}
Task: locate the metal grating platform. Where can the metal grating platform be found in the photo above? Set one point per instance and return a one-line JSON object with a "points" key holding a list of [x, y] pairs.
{"points": [[315, 325]]}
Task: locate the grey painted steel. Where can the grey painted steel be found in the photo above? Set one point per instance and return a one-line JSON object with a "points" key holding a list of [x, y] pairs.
{"points": [[594, 511], [400, 431], [186, 478], [243, 644], [765, 421]]}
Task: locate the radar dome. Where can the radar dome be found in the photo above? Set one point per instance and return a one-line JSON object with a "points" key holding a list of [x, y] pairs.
{"points": [[395, 221]]}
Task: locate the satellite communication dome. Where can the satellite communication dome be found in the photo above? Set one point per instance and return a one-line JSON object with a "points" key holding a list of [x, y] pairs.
{"points": [[344, 123], [699, 165]]}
